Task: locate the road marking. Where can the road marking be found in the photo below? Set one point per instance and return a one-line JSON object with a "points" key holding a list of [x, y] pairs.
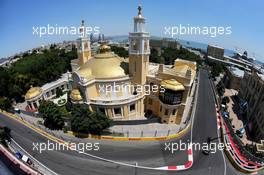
{"points": [[218, 134], [33, 157]]}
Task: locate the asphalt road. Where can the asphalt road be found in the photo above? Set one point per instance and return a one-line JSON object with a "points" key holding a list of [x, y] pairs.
{"points": [[151, 154]]}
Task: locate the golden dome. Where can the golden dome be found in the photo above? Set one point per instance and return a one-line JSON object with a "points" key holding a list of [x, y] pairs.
{"points": [[87, 73], [104, 65], [76, 95], [172, 84], [104, 48], [33, 92]]}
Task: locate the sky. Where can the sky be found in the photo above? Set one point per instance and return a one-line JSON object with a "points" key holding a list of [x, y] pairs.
{"points": [[115, 17]]}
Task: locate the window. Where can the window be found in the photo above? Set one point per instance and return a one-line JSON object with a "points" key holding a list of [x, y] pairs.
{"points": [[160, 108], [134, 45], [86, 46], [135, 68], [145, 44], [117, 111], [35, 105], [150, 101], [166, 112], [174, 112], [135, 91], [132, 107]]}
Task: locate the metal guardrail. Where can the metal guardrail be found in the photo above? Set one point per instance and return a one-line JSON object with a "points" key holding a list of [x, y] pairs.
{"points": [[240, 145], [235, 138], [14, 146]]}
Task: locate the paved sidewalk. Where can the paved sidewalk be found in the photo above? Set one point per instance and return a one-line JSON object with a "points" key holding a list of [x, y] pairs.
{"points": [[236, 122], [136, 130]]}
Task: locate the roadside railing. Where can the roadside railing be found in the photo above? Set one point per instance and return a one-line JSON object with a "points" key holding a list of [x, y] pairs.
{"points": [[15, 147], [240, 144], [235, 138]]}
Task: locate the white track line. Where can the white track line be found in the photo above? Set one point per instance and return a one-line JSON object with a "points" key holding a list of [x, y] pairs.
{"points": [[218, 134], [33, 157]]}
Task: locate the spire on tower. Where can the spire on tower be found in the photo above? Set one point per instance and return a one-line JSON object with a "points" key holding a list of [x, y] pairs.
{"points": [[139, 10], [82, 29]]}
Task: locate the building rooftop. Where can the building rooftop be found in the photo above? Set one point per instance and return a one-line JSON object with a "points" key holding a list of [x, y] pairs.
{"points": [[261, 76], [105, 65], [64, 77], [172, 84], [33, 92], [215, 46], [237, 72]]}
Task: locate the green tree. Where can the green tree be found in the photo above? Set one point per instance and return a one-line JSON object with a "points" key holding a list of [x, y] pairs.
{"points": [[84, 121], [220, 88], [120, 51], [170, 54], [52, 115], [4, 81], [34, 69], [4, 135], [5, 104], [154, 56], [98, 122]]}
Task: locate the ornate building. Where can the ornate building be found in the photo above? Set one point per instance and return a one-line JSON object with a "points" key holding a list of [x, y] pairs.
{"points": [[110, 84], [35, 95], [103, 83]]}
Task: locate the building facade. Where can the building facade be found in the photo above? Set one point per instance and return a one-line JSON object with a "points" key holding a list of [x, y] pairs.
{"points": [[251, 91], [35, 95], [177, 81], [158, 44], [233, 78], [121, 89], [215, 51]]}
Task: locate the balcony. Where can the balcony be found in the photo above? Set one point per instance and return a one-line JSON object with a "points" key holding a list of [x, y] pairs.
{"points": [[115, 101], [171, 97]]}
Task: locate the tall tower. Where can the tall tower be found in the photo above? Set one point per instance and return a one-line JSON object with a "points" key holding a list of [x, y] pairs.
{"points": [[83, 45], [139, 50]]}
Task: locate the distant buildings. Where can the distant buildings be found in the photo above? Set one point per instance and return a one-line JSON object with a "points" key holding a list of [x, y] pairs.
{"points": [[233, 78], [215, 51], [252, 92], [216, 54], [158, 44]]}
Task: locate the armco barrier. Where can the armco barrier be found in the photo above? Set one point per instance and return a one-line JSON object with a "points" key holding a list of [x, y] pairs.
{"points": [[234, 155], [13, 159]]}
